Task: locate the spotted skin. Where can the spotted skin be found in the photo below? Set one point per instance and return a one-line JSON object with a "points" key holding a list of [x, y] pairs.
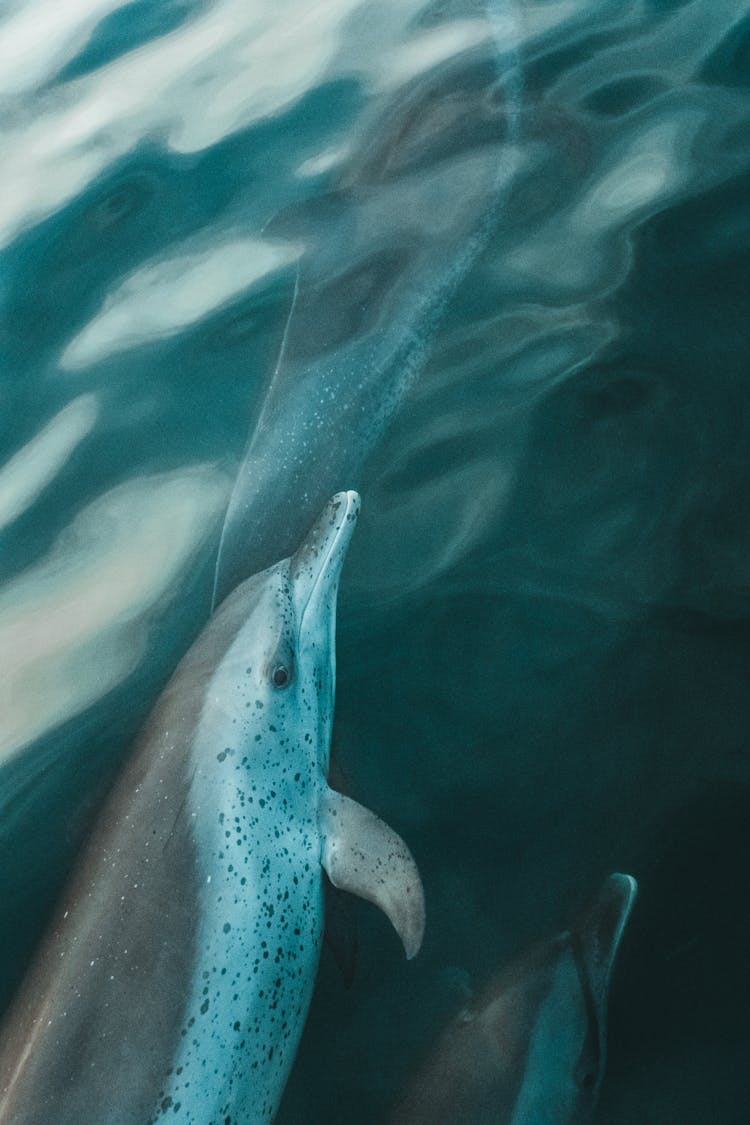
{"points": [[261, 890], [175, 979]]}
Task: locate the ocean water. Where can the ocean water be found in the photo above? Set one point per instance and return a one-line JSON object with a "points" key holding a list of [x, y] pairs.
{"points": [[544, 621]]}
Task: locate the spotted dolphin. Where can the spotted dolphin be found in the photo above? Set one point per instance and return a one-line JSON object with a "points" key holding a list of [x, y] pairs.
{"points": [[406, 216], [175, 980], [531, 1050]]}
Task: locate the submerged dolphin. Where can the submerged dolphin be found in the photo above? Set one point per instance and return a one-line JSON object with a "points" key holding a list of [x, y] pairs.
{"points": [[176, 977], [531, 1050], [407, 216]]}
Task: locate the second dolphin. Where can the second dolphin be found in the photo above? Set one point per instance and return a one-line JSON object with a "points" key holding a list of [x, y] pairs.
{"points": [[531, 1049]]}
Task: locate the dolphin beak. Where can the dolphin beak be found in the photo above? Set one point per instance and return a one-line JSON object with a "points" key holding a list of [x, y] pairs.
{"points": [[315, 566], [600, 931]]}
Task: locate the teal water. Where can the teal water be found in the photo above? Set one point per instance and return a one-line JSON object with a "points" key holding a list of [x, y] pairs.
{"points": [[543, 624]]}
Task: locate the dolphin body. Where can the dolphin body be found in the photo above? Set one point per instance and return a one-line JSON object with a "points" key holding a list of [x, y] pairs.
{"points": [[387, 245], [175, 980], [531, 1050]]}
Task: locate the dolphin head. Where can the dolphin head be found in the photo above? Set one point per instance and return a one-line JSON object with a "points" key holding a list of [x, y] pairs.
{"points": [[277, 676], [595, 941], [565, 1052]]}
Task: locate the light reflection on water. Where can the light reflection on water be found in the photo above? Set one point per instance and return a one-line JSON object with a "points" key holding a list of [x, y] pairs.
{"points": [[543, 618], [75, 625]]}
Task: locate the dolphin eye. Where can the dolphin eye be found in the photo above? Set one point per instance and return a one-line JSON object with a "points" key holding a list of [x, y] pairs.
{"points": [[280, 675]]}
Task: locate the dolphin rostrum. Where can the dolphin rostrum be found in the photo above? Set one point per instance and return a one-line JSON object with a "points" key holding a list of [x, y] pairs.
{"points": [[531, 1050], [176, 977]]}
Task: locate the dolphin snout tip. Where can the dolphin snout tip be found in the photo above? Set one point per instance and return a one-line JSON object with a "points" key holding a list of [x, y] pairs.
{"points": [[350, 501], [627, 883], [622, 890]]}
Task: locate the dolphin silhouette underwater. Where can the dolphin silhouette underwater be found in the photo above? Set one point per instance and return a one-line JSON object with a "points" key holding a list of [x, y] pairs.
{"points": [[531, 1049], [386, 247], [175, 979]]}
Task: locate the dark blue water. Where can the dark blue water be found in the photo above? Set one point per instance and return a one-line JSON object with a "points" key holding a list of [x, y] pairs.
{"points": [[544, 619]]}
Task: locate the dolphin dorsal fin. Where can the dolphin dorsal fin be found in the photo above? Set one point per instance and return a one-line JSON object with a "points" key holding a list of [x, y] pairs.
{"points": [[363, 855]]}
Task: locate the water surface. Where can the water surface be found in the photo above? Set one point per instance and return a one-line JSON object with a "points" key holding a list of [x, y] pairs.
{"points": [[543, 627]]}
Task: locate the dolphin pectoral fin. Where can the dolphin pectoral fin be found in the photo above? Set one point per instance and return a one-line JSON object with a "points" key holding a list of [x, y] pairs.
{"points": [[363, 855]]}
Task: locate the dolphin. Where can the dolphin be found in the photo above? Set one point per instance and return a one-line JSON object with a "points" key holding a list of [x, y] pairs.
{"points": [[531, 1050], [386, 247], [175, 979]]}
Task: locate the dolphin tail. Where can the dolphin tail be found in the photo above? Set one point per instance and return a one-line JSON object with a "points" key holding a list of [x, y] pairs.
{"points": [[363, 855]]}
